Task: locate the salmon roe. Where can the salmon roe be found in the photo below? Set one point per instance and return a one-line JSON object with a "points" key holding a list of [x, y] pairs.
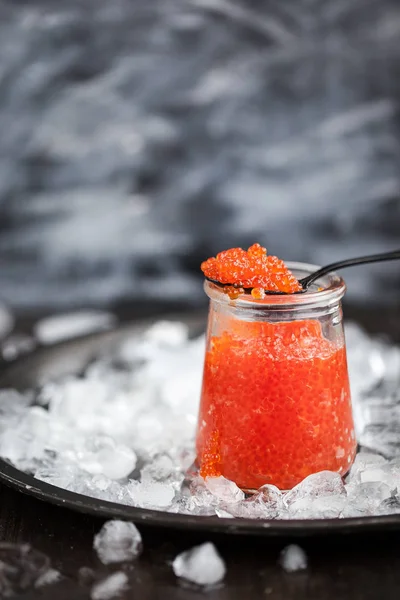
{"points": [[275, 404], [251, 269]]}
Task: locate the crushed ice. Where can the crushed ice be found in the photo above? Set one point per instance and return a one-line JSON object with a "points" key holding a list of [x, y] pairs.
{"points": [[201, 565], [22, 567], [117, 541], [123, 431], [293, 558], [110, 588], [321, 495], [50, 577]]}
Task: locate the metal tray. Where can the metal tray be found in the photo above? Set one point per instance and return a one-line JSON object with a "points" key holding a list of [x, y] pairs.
{"points": [[70, 357]]}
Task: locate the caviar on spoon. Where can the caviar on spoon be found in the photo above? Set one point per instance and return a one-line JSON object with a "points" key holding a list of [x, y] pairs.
{"points": [[253, 271]]}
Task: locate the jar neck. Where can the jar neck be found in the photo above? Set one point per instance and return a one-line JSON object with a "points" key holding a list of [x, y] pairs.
{"points": [[324, 299], [271, 314]]}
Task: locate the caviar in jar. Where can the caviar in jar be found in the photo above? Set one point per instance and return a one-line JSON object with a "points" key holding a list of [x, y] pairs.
{"points": [[275, 404]]}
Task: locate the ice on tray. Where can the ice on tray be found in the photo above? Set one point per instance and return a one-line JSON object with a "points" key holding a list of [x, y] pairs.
{"points": [[367, 499], [224, 490], [266, 503], [151, 494], [321, 495], [123, 430]]}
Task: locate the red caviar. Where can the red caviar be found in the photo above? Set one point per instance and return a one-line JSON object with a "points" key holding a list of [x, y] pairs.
{"points": [[251, 269], [275, 404]]}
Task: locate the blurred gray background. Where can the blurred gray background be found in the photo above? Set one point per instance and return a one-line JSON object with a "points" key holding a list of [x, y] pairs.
{"points": [[138, 138]]}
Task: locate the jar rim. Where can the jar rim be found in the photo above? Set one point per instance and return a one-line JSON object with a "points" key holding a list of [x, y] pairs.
{"points": [[333, 290]]}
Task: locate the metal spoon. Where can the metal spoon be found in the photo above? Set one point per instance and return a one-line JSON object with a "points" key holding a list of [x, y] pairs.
{"points": [[305, 282]]}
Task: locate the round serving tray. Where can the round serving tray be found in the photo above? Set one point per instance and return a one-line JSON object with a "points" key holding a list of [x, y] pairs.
{"points": [[70, 357]]}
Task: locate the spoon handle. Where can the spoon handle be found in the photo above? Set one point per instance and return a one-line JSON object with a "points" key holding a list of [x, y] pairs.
{"points": [[350, 262]]}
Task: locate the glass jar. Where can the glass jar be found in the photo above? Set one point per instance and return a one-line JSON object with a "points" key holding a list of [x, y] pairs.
{"points": [[275, 404]]}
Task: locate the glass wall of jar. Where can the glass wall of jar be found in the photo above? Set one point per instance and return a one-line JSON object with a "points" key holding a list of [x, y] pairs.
{"points": [[275, 404]]}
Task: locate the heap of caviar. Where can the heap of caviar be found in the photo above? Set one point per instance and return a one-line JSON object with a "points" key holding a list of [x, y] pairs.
{"points": [[275, 404], [251, 269]]}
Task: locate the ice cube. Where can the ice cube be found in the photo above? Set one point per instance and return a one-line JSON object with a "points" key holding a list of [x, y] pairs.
{"points": [[151, 494], [117, 463], [48, 578], [373, 474], [100, 487], [268, 499], [59, 474], [321, 495], [26, 440], [162, 469], [118, 541], [111, 587], [13, 403], [391, 505], [224, 489], [266, 503], [369, 468], [79, 402], [103, 456], [365, 461], [101, 483], [196, 499], [293, 558], [365, 498], [201, 565], [69, 325]]}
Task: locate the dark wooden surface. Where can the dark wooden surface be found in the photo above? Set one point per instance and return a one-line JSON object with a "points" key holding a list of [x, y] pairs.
{"points": [[349, 567], [356, 568]]}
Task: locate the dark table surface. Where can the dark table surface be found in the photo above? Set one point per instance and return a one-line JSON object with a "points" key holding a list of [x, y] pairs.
{"points": [[340, 567]]}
